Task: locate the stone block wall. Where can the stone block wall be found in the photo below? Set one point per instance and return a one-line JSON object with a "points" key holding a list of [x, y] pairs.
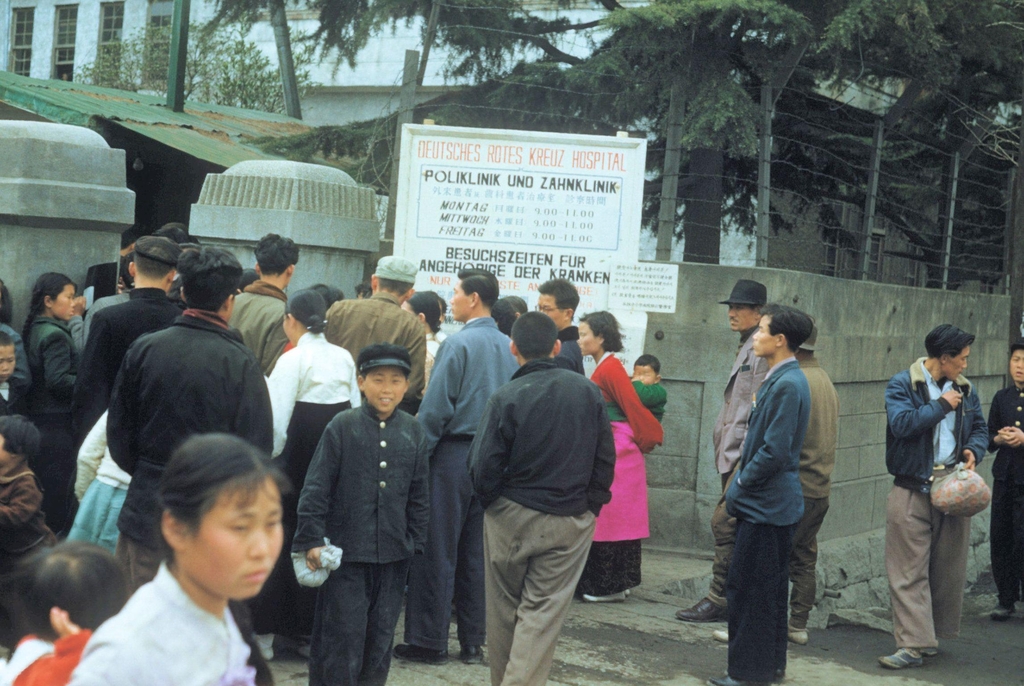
{"points": [[867, 333]]}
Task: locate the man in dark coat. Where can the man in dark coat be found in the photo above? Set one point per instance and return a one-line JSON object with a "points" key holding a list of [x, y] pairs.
{"points": [[766, 499], [542, 464], [115, 328], [196, 376]]}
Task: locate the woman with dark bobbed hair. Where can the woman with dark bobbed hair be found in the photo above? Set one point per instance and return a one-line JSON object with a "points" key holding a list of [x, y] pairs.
{"points": [[53, 362], [613, 565], [426, 306], [310, 384]]}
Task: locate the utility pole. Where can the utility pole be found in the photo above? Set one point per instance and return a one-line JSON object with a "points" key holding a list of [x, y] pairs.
{"points": [[670, 174], [764, 176], [428, 40], [279, 20], [179, 48], [1015, 257], [406, 104], [899, 108], [947, 244]]}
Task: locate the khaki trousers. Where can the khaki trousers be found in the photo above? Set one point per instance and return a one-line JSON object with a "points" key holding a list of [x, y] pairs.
{"points": [[926, 560], [803, 560], [139, 562], [532, 562]]}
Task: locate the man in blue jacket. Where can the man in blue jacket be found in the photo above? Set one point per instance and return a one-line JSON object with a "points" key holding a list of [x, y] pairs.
{"points": [[470, 366], [767, 501], [934, 422]]}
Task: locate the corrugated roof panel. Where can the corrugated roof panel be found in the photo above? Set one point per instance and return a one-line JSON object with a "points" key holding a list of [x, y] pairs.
{"points": [[218, 134]]}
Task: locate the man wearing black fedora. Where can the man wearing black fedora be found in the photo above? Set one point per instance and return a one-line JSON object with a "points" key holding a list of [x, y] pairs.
{"points": [[748, 371]]}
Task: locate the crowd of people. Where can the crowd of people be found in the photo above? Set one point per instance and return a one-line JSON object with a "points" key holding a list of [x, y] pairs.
{"points": [[235, 469]]}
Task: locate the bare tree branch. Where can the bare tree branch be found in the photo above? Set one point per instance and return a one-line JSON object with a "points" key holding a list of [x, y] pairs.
{"points": [[549, 49]]}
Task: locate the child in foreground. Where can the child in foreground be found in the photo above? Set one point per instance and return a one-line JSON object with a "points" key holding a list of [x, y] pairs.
{"points": [[68, 592], [647, 382], [221, 523], [367, 492]]}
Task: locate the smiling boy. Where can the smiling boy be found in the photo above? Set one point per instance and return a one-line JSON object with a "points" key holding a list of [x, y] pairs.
{"points": [[367, 492]]}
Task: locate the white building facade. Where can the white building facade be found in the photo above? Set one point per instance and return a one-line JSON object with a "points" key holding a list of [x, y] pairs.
{"points": [[47, 39]]}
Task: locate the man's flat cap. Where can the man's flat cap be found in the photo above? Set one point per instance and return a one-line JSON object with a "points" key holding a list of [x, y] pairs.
{"points": [[396, 269]]}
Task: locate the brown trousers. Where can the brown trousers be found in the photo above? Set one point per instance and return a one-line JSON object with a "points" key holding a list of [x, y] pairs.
{"points": [[723, 528], [139, 562], [532, 562], [926, 560], [803, 560]]}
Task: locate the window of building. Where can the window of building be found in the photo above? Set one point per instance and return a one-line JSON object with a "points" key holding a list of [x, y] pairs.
{"points": [[22, 21], [65, 28], [161, 12], [108, 50], [111, 22]]}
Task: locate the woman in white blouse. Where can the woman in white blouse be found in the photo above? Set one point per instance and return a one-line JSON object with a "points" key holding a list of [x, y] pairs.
{"points": [[310, 384]]}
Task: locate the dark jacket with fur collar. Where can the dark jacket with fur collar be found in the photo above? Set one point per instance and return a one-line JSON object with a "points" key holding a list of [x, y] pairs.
{"points": [[912, 416]]}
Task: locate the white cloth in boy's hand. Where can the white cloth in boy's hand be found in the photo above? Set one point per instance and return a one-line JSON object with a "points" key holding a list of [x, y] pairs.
{"points": [[330, 559]]}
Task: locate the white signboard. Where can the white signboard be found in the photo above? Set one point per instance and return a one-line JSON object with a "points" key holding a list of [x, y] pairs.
{"points": [[527, 206], [644, 287]]}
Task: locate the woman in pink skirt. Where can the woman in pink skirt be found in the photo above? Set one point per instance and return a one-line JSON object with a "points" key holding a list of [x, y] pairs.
{"points": [[613, 566]]}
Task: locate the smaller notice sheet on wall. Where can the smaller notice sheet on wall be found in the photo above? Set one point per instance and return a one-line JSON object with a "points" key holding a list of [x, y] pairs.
{"points": [[643, 287]]}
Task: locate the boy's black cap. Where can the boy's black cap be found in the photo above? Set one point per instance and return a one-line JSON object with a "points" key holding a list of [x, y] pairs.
{"points": [[383, 355], [1017, 345], [747, 292]]}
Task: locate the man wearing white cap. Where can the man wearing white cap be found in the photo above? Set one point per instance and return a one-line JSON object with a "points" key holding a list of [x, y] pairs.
{"points": [[355, 324]]}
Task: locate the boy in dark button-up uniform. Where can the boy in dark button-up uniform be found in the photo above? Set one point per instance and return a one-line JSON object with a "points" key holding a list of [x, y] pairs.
{"points": [[1007, 533], [366, 491]]}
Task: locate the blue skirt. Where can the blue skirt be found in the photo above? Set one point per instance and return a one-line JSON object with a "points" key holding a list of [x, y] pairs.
{"points": [[96, 521]]}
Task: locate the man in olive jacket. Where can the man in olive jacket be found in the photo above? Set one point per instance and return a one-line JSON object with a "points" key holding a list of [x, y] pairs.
{"points": [[259, 311], [817, 460]]}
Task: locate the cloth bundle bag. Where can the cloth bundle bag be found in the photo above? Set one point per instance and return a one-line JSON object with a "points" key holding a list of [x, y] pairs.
{"points": [[330, 559], [961, 493]]}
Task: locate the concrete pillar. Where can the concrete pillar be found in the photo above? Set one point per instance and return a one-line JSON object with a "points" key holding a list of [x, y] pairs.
{"points": [[332, 219], [63, 204]]}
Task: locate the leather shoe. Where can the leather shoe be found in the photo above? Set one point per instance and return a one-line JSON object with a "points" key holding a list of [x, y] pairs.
{"points": [[471, 655], [729, 681], [407, 651], [704, 611]]}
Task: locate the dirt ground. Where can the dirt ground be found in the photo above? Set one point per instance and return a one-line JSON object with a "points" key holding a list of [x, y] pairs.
{"points": [[640, 642]]}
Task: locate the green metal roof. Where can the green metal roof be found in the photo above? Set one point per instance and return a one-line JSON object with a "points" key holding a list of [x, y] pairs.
{"points": [[217, 134]]}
